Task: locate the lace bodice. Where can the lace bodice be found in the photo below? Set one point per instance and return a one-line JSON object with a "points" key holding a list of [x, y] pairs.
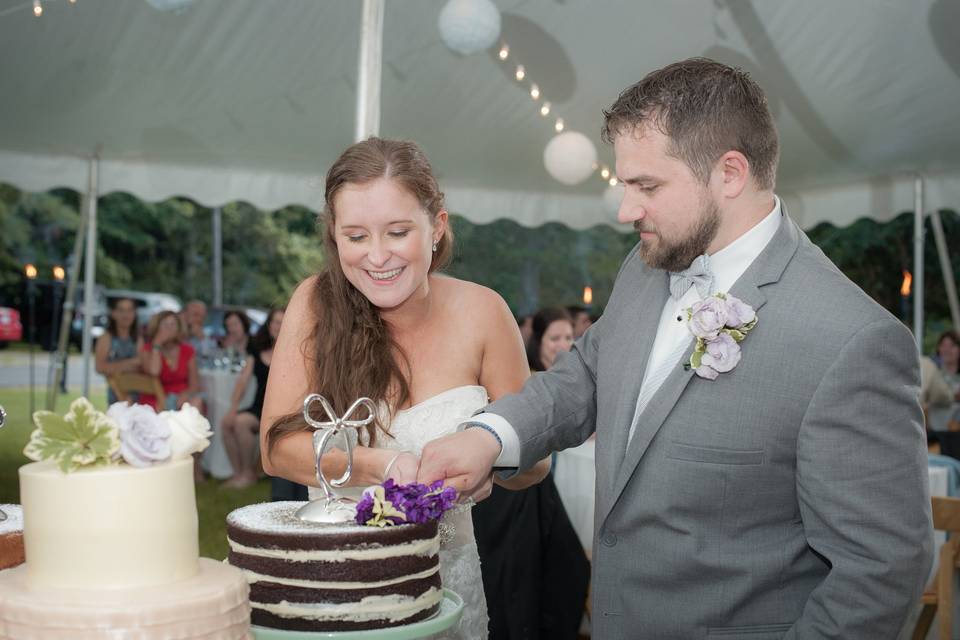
{"points": [[414, 427]]}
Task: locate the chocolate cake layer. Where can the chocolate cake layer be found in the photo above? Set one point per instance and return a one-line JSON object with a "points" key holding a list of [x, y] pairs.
{"points": [[266, 619], [331, 571], [271, 592]]}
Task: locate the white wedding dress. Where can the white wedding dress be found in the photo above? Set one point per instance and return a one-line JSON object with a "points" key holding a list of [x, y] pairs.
{"points": [[410, 430]]}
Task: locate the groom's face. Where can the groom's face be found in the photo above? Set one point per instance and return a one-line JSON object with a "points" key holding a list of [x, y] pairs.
{"points": [[674, 213]]}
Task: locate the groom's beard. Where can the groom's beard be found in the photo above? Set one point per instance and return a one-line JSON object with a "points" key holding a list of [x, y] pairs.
{"points": [[679, 254]]}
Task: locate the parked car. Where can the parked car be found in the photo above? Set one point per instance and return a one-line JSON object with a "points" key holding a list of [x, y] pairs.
{"points": [[148, 303], [10, 328], [213, 325]]}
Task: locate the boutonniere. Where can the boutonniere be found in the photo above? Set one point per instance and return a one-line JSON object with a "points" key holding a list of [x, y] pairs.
{"points": [[719, 323]]}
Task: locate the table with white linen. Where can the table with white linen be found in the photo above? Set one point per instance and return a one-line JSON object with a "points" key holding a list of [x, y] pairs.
{"points": [[218, 384]]}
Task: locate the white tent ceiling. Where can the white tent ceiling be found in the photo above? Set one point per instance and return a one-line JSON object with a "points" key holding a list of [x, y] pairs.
{"points": [[252, 100]]}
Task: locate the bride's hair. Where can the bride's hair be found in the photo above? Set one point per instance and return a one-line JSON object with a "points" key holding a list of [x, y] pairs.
{"points": [[350, 353]]}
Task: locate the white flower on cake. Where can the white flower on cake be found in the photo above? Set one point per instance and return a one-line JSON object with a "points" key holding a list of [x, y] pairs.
{"points": [[190, 431], [135, 434]]}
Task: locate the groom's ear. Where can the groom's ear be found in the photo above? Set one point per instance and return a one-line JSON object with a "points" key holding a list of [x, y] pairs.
{"points": [[733, 170]]}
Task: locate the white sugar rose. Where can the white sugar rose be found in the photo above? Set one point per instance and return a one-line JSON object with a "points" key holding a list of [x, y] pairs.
{"points": [[189, 431]]}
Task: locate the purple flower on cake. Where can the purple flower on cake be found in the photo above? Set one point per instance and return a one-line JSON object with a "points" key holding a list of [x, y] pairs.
{"points": [[144, 436], [392, 504]]}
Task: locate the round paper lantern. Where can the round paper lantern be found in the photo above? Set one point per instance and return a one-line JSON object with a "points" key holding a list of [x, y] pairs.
{"points": [[570, 157], [171, 6], [469, 26], [612, 197]]}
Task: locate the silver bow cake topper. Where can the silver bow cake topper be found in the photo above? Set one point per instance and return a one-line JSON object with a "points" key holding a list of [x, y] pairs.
{"points": [[332, 507]]}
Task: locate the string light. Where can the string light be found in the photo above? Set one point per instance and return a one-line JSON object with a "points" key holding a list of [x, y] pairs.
{"points": [[535, 92], [558, 127], [545, 109], [613, 182], [504, 52], [37, 8], [521, 72], [604, 173]]}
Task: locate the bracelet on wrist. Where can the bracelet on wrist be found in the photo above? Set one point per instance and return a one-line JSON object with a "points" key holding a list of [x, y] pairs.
{"points": [[386, 469], [487, 428]]}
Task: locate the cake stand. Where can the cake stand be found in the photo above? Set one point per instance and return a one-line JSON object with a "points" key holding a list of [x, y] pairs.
{"points": [[451, 609]]}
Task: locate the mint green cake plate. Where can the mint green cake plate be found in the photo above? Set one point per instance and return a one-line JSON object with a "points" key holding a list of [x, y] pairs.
{"points": [[451, 609]]}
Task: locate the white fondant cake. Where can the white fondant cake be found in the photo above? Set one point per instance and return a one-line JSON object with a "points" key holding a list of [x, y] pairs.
{"points": [[112, 527]]}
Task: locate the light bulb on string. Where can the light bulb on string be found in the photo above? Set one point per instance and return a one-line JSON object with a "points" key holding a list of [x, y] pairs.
{"points": [[504, 52], [612, 182], [37, 8], [604, 173], [535, 92], [558, 127], [545, 109], [521, 72]]}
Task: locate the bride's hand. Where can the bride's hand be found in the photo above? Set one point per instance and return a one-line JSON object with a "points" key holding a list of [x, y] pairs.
{"points": [[403, 469]]}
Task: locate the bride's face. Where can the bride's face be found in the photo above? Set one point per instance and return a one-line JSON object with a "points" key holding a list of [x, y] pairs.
{"points": [[385, 241]]}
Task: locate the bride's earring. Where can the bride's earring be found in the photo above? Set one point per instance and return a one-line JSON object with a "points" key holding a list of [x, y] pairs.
{"points": [[435, 246]]}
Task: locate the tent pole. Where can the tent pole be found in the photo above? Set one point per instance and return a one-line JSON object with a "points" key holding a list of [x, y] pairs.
{"points": [[63, 348], [217, 257], [948, 281], [918, 261], [89, 269], [369, 71]]}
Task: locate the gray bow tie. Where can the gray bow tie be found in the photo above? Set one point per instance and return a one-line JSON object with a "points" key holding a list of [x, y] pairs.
{"points": [[697, 274]]}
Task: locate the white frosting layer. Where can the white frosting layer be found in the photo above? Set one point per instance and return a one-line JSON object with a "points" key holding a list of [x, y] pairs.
{"points": [[392, 608], [253, 577], [14, 521], [112, 527], [425, 547]]}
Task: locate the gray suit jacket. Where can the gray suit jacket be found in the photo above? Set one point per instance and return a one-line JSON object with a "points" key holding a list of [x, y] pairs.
{"points": [[788, 498]]}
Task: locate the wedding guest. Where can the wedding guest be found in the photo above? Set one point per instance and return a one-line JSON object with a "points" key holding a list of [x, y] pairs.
{"points": [[948, 368], [535, 572], [239, 427], [194, 316], [117, 350], [168, 357], [581, 320], [236, 326]]}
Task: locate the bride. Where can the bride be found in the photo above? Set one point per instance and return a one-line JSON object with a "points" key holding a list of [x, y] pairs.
{"points": [[378, 321]]}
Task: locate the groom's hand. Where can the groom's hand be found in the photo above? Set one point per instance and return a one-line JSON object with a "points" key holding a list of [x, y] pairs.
{"points": [[463, 461]]}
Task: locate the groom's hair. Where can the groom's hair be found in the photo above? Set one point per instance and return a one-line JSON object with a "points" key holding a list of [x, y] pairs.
{"points": [[705, 108]]}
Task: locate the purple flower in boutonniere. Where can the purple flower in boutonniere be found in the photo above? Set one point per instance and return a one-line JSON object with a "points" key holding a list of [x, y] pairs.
{"points": [[719, 323]]}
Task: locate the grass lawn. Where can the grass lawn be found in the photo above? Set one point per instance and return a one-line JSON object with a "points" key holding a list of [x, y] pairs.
{"points": [[213, 503]]}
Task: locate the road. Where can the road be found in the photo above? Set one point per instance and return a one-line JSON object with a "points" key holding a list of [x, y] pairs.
{"points": [[15, 370]]}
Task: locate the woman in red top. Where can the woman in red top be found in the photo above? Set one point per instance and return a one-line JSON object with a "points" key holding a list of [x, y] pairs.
{"points": [[171, 360]]}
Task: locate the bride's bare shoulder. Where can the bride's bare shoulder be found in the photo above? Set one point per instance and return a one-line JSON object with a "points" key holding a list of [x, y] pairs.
{"points": [[480, 303]]}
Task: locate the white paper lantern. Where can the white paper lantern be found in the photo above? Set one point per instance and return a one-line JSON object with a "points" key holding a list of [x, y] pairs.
{"points": [[570, 157], [469, 26], [612, 197], [170, 6]]}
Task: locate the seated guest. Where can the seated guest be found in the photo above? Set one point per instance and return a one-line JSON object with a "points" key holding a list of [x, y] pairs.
{"points": [[535, 572], [168, 357], [236, 326], [581, 320], [948, 366], [117, 350], [241, 426], [194, 316]]}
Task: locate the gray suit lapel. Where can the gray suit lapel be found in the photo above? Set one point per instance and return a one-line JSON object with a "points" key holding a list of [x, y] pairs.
{"points": [[642, 320], [766, 269]]}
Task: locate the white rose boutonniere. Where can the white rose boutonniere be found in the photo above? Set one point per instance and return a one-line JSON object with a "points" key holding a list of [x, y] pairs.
{"points": [[189, 431], [719, 323]]}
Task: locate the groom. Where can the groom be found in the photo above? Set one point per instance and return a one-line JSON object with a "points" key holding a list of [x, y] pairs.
{"points": [[775, 486]]}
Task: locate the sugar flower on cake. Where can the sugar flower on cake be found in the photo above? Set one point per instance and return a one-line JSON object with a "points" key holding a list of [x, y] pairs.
{"points": [[144, 436], [189, 431], [83, 437], [392, 504]]}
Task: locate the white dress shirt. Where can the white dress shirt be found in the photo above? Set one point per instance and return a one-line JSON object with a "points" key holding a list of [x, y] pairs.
{"points": [[673, 338]]}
